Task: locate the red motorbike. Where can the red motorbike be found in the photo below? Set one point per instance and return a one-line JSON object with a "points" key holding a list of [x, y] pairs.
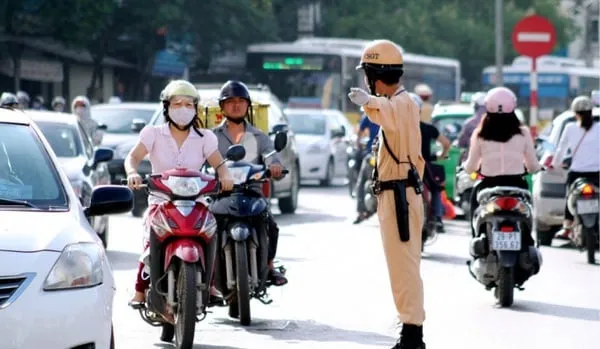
{"points": [[181, 254]]}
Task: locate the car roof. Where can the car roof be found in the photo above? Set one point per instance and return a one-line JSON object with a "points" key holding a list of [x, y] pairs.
{"points": [[14, 116], [292, 111], [452, 109], [128, 105], [51, 116]]}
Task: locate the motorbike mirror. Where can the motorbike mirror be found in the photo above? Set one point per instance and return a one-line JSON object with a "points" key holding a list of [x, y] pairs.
{"points": [[236, 152], [280, 141]]}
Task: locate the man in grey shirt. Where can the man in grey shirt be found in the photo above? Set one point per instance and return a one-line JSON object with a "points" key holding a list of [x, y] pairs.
{"points": [[234, 100]]}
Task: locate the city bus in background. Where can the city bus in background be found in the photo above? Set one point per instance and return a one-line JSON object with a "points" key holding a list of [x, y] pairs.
{"points": [[560, 80], [318, 72]]}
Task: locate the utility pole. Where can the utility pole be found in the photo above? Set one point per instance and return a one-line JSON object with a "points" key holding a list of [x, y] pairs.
{"points": [[499, 42]]}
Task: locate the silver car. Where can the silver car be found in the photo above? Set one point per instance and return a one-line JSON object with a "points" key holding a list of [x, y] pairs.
{"points": [[549, 189]]}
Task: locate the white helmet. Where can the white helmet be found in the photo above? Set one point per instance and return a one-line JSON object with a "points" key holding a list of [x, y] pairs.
{"points": [[478, 99], [423, 90], [582, 103]]}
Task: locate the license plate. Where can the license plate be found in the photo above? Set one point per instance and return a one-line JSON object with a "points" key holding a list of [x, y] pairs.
{"points": [[587, 206], [506, 241]]}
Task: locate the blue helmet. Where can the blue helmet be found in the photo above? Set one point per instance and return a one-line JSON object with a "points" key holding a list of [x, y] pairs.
{"points": [[418, 101]]}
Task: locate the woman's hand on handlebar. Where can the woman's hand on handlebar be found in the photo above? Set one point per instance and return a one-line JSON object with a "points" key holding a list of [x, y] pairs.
{"points": [[134, 180], [226, 184], [276, 170]]}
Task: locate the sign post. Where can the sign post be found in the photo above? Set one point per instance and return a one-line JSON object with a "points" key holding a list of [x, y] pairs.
{"points": [[533, 36]]}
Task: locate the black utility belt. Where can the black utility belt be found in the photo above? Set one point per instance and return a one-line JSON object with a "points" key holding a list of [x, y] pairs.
{"points": [[379, 186]]}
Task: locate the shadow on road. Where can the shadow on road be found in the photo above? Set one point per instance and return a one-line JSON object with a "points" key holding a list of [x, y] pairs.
{"points": [[444, 258], [120, 260], [563, 311], [196, 346], [296, 331], [307, 218]]}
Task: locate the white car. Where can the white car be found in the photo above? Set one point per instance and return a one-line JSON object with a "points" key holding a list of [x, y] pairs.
{"points": [[322, 137], [549, 189], [56, 284]]}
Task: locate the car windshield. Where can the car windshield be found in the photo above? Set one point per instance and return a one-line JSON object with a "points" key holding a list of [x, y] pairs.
{"points": [[26, 171], [63, 138], [118, 120], [313, 124]]}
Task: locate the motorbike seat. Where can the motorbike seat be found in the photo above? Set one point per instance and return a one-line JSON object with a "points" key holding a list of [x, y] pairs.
{"points": [[486, 194]]}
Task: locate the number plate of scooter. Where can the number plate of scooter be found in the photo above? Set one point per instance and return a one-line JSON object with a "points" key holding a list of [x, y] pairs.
{"points": [[506, 240], [587, 206]]}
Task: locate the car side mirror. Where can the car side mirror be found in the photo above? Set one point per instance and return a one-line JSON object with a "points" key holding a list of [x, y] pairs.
{"points": [[280, 141], [102, 155], [109, 199], [283, 128], [102, 127], [236, 152], [338, 133], [137, 125]]}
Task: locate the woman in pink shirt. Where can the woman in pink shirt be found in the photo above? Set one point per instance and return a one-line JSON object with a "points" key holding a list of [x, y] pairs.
{"points": [[500, 146], [178, 143]]}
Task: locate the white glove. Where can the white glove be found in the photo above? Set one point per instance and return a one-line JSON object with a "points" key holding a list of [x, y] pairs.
{"points": [[358, 96]]}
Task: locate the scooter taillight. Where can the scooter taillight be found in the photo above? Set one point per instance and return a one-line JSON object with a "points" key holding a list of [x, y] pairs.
{"points": [[587, 190], [506, 203]]}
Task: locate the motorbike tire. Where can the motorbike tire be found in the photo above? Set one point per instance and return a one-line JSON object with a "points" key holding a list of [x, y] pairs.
{"points": [[591, 243], [187, 294], [505, 289], [243, 283], [167, 333]]}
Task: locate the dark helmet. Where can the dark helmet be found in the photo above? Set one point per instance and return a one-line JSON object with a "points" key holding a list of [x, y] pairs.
{"points": [[232, 89]]}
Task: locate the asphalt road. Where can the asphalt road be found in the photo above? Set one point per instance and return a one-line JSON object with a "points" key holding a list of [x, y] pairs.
{"points": [[339, 296]]}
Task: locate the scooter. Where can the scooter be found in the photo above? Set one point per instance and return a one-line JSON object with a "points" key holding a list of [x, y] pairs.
{"points": [[503, 251], [582, 201], [242, 268], [181, 255], [463, 189], [354, 162]]}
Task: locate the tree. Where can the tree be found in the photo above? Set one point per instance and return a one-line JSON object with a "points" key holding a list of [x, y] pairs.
{"points": [[461, 29]]}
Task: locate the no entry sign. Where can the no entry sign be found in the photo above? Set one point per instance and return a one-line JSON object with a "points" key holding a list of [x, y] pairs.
{"points": [[534, 36]]}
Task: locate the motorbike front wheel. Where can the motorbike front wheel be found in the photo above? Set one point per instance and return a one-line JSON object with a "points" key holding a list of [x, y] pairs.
{"points": [[506, 286], [243, 283], [187, 293]]}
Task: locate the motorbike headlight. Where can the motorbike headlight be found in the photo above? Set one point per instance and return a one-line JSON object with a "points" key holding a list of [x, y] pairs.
{"points": [[185, 186], [79, 265], [372, 161], [239, 174]]}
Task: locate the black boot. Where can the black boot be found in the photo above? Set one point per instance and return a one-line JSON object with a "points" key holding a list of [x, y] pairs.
{"points": [[411, 337]]}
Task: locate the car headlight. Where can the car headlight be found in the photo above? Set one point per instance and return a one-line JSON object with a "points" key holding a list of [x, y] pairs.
{"points": [[239, 174], [77, 186], [79, 265]]}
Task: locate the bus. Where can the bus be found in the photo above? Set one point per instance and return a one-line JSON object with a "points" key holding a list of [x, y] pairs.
{"points": [[560, 80], [318, 72]]}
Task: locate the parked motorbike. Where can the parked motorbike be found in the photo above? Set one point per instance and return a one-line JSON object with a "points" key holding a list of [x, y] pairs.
{"points": [[463, 189], [582, 201], [354, 162], [429, 234], [504, 255], [242, 268], [181, 255], [370, 197]]}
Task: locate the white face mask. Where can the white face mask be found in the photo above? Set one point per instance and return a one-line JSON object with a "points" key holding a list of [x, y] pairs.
{"points": [[79, 111], [182, 116]]}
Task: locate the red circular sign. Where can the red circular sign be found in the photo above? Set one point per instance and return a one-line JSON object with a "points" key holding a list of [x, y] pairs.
{"points": [[534, 36]]}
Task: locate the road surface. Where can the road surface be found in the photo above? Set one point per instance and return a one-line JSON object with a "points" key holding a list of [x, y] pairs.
{"points": [[339, 296]]}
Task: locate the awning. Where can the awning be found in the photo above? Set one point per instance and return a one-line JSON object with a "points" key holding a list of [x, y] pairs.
{"points": [[168, 64]]}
